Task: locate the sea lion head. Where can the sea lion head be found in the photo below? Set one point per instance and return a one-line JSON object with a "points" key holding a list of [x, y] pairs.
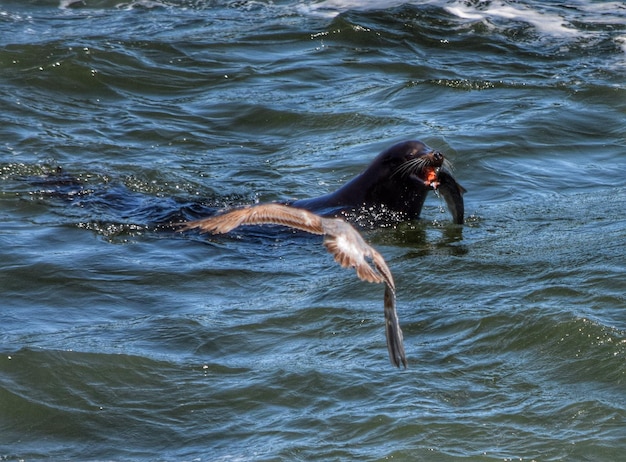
{"points": [[407, 166], [413, 161], [397, 181], [401, 176]]}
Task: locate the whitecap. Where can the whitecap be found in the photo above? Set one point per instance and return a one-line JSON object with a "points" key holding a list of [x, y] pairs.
{"points": [[332, 8], [546, 23], [543, 21], [621, 41]]}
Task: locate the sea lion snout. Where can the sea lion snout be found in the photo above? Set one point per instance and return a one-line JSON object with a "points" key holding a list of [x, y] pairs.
{"points": [[434, 159]]}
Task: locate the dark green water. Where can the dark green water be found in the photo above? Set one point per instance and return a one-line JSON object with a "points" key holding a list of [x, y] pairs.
{"points": [[122, 342]]}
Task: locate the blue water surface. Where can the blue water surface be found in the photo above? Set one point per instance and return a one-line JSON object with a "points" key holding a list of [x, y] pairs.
{"points": [[121, 339]]}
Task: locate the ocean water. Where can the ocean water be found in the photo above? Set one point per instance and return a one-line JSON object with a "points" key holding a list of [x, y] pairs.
{"points": [[123, 340]]}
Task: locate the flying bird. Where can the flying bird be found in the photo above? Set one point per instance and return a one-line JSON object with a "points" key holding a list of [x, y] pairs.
{"points": [[341, 239]]}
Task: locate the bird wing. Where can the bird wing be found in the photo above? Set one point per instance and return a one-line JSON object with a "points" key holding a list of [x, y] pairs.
{"points": [[340, 238], [393, 332], [350, 250], [261, 214]]}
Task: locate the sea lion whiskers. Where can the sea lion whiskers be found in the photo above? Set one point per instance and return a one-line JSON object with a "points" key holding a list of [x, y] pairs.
{"points": [[414, 165]]}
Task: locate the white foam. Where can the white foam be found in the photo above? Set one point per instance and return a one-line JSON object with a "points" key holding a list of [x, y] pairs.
{"points": [[603, 12], [464, 13], [621, 41], [545, 23], [65, 4], [332, 8]]}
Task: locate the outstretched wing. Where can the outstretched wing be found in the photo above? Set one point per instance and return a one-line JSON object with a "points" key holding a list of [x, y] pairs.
{"points": [[342, 241], [259, 215]]}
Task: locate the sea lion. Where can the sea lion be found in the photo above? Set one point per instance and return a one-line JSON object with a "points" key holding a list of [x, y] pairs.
{"points": [[342, 241], [397, 180]]}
